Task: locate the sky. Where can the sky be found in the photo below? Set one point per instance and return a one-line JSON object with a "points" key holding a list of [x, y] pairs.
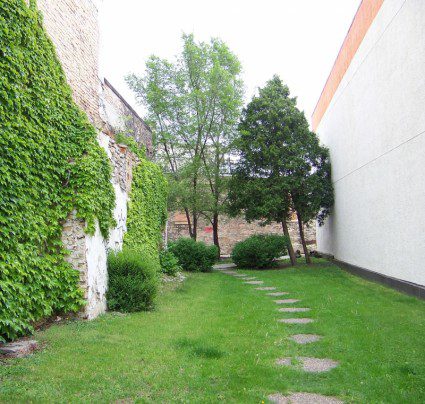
{"points": [[296, 39]]}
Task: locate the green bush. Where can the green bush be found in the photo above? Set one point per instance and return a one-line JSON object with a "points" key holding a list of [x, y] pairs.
{"points": [[259, 251], [133, 281], [169, 263], [194, 255]]}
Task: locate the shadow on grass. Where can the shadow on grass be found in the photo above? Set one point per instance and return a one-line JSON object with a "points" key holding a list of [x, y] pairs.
{"points": [[198, 349]]}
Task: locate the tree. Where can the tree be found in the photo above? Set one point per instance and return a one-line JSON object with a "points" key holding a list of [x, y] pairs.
{"points": [[193, 106], [313, 196], [281, 166]]}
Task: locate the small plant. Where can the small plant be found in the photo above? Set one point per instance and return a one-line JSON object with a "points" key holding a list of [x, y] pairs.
{"points": [[133, 281], [169, 263], [194, 255], [259, 251]]}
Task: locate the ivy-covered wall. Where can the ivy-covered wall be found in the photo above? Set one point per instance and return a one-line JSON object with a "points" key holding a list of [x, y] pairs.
{"points": [[147, 208], [50, 163]]}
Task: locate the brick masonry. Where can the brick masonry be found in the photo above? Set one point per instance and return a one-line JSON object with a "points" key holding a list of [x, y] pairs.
{"points": [[73, 28], [233, 230]]}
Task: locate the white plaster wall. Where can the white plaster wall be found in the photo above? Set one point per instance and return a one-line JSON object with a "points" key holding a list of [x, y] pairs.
{"points": [[375, 130], [116, 235], [97, 248], [97, 275]]}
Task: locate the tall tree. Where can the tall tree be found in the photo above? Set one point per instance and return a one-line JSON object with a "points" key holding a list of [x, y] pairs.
{"points": [[281, 166], [193, 105], [312, 198]]}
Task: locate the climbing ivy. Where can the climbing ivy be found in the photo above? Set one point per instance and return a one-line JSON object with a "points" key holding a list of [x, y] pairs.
{"points": [[50, 164], [147, 209]]}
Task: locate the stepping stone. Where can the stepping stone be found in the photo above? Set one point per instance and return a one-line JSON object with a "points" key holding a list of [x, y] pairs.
{"points": [[224, 266], [236, 275], [303, 398], [295, 320], [254, 282], [312, 365], [293, 309], [229, 272], [305, 338], [18, 349], [286, 301], [266, 288], [276, 294], [252, 278]]}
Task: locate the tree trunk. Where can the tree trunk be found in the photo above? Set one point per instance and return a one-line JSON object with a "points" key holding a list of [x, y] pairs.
{"points": [[195, 226], [215, 232], [301, 229], [189, 222], [290, 248]]}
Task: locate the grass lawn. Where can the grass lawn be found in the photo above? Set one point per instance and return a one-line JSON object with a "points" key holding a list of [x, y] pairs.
{"points": [[217, 339]]}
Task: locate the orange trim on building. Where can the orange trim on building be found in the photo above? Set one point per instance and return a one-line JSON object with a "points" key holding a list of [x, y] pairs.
{"points": [[363, 19]]}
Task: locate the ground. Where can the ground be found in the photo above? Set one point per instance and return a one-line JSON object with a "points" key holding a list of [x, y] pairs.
{"points": [[215, 338]]}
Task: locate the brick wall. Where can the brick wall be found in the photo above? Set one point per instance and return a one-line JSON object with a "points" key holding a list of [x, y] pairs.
{"points": [[73, 27], [233, 230]]}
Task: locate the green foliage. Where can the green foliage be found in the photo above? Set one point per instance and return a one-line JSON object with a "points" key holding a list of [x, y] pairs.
{"points": [[259, 251], [50, 164], [133, 281], [132, 145], [169, 263], [194, 255], [193, 106], [147, 209]]}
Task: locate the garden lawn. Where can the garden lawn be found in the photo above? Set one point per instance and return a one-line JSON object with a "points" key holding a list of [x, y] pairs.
{"points": [[216, 339]]}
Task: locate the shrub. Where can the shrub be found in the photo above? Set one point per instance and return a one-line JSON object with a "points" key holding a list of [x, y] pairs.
{"points": [[194, 255], [169, 263], [133, 281], [259, 251]]}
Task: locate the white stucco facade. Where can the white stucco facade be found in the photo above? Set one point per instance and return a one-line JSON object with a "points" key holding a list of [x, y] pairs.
{"points": [[375, 130]]}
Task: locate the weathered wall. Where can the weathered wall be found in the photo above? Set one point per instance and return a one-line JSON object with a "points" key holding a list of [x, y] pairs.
{"points": [[73, 27], [233, 230], [375, 130], [120, 117]]}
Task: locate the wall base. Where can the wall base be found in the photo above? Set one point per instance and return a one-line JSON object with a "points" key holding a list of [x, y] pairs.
{"points": [[409, 288]]}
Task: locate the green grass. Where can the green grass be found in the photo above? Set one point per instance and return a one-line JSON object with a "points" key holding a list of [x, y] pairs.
{"points": [[216, 339]]}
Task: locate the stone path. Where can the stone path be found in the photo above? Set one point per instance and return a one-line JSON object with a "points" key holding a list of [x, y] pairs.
{"points": [[295, 320], [224, 266], [286, 301], [305, 338], [313, 365], [303, 398], [306, 364]]}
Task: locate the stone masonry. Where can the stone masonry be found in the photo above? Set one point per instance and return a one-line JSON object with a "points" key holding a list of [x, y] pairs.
{"points": [[73, 28], [233, 230]]}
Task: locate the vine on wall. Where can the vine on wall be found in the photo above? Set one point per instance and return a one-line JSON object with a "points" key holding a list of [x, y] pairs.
{"points": [[50, 163], [147, 208]]}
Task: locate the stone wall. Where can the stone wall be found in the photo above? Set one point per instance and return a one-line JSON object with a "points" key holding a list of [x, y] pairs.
{"points": [[233, 230], [120, 117], [73, 28]]}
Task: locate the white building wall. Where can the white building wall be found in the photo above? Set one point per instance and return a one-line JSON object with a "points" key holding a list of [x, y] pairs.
{"points": [[375, 130]]}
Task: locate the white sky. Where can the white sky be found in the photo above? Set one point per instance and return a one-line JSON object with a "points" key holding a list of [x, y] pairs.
{"points": [[297, 39]]}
